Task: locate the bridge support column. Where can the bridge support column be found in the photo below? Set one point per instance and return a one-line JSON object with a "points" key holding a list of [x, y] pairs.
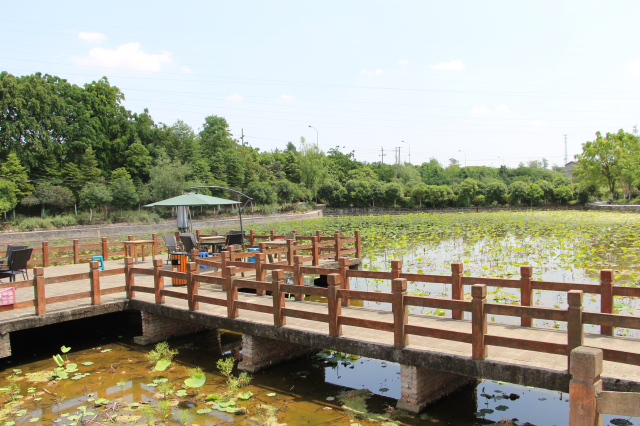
{"points": [[585, 385], [421, 387], [259, 353], [158, 328], [5, 345]]}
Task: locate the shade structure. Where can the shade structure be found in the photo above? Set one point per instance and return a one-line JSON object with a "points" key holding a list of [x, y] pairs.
{"points": [[192, 199]]}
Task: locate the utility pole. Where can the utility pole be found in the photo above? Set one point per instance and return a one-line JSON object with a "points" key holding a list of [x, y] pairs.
{"points": [[565, 150], [382, 155], [242, 137], [397, 161]]}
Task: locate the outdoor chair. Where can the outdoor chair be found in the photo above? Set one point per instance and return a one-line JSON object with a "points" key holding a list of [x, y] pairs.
{"points": [[172, 245], [11, 249], [194, 240], [233, 240], [17, 264], [189, 243]]}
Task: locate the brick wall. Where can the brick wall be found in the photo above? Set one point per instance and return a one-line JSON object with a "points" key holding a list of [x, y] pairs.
{"points": [[420, 386], [261, 352], [157, 328]]}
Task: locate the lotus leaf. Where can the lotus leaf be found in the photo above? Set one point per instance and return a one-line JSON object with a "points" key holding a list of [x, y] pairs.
{"points": [[204, 411], [87, 363], [196, 381], [245, 395], [58, 359], [162, 365], [65, 349], [212, 397]]}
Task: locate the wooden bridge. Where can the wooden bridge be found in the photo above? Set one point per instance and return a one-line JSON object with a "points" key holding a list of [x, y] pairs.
{"points": [[324, 317]]}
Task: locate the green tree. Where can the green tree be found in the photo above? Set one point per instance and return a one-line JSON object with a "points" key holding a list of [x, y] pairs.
{"points": [[603, 159], [333, 193], [8, 198], [138, 161], [547, 190], [262, 193], [167, 178], [517, 192], [12, 169], [89, 167], [393, 193], [563, 193], [496, 192], [534, 194], [123, 191], [93, 196], [53, 196], [286, 191], [73, 180], [312, 166], [418, 192], [215, 136], [467, 190], [359, 192]]}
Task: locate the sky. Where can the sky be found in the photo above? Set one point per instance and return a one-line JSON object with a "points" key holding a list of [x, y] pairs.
{"points": [[486, 83]]}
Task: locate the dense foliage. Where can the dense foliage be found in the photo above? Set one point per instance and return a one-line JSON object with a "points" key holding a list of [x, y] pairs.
{"points": [[63, 146]]}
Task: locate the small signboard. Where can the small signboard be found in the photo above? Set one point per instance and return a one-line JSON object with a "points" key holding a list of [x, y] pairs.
{"points": [[7, 296]]}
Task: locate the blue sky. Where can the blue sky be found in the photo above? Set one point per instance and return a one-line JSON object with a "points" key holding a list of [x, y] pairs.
{"points": [[501, 81]]}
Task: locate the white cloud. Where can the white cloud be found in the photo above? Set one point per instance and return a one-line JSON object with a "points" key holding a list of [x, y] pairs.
{"points": [[537, 123], [126, 56], [287, 97], [634, 67], [454, 65], [485, 110], [186, 70], [91, 36], [236, 97], [403, 62], [372, 73]]}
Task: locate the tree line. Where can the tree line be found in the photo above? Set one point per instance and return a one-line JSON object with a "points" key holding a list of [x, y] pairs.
{"points": [[65, 146]]}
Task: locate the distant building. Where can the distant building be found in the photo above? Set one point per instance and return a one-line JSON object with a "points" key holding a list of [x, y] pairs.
{"points": [[568, 169]]}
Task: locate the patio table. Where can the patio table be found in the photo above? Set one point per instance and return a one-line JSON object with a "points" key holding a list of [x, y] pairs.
{"points": [[128, 245]]}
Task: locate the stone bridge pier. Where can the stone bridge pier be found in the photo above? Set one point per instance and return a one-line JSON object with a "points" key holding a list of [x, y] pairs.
{"points": [[259, 353], [158, 328]]}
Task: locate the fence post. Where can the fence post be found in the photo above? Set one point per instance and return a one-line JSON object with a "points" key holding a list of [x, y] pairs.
{"points": [[278, 298], [396, 269], [336, 237], [314, 250], [158, 281], [105, 249], [94, 280], [154, 247], [260, 273], [129, 280], [272, 235], [318, 236], [606, 298], [457, 290], [38, 290], [478, 321], [198, 234], [334, 305], [252, 237], [358, 241], [575, 329], [194, 254], [45, 254], [343, 263], [290, 252], [585, 385], [400, 313], [298, 277], [232, 253], [192, 287], [76, 252], [526, 294], [232, 292], [224, 258]]}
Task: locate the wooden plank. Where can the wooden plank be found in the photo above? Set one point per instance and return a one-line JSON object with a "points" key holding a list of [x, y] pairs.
{"points": [[560, 286], [526, 345], [141, 271], [110, 272], [318, 270], [67, 278], [304, 289], [19, 305], [258, 285], [626, 291], [311, 316], [347, 251], [623, 404], [365, 323], [18, 284], [209, 279], [176, 294], [527, 312], [174, 274], [366, 295], [254, 307], [369, 274], [302, 247], [424, 278], [621, 356], [278, 265], [491, 282], [143, 289], [248, 265], [112, 290], [611, 320], [327, 256], [68, 297], [438, 303], [456, 336], [211, 300]]}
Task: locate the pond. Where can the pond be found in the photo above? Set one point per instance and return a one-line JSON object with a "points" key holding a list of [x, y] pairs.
{"points": [[118, 385]]}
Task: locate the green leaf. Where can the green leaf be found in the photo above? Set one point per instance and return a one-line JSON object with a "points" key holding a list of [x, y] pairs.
{"points": [[271, 394], [232, 410], [87, 363], [204, 411], [65, 349], [245, 395], [181, 392], [58, 359], [105, 350], [212, 397], [162, 365], [196, 381]]}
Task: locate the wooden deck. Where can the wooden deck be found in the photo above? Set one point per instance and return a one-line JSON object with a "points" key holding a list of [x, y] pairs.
{"points": [[501, 363]]}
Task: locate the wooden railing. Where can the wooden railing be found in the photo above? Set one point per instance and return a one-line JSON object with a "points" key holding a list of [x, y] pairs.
{"points": [[338, 294]]}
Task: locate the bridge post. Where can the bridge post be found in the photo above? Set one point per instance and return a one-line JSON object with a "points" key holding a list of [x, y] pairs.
{"points": [[456, 286], [259, 353], [5, 345], [105, 249], [192, 287], [279, 319], [298, 277], [334, 305], [314, 250], [356, 233], [290, 252], [585, 385], [260, 272], [400, 313], [232, 292], [38, 289], [526, 293], [45, 254], [575, 328], [158, 281], [129, 279], [343, 262], [94, 279], [396, 269], [478, 321], [252, 237], [194, 254], [420, 387], [337, 242], [76, 252], [157, 328], [606, 298]]}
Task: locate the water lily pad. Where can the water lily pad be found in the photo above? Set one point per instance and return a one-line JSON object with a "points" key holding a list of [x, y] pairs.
{"points": [[105, 350], [196, 381], [101, 401], [87, 363], [163, 364], [212, 397], [181, 392], [384, 390], [621, 422], [204, 411], [65, 349], [232, 410], [58, 359], [161, 380], [271, 394], [245, 395], [502, 408], [484, 412]]}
